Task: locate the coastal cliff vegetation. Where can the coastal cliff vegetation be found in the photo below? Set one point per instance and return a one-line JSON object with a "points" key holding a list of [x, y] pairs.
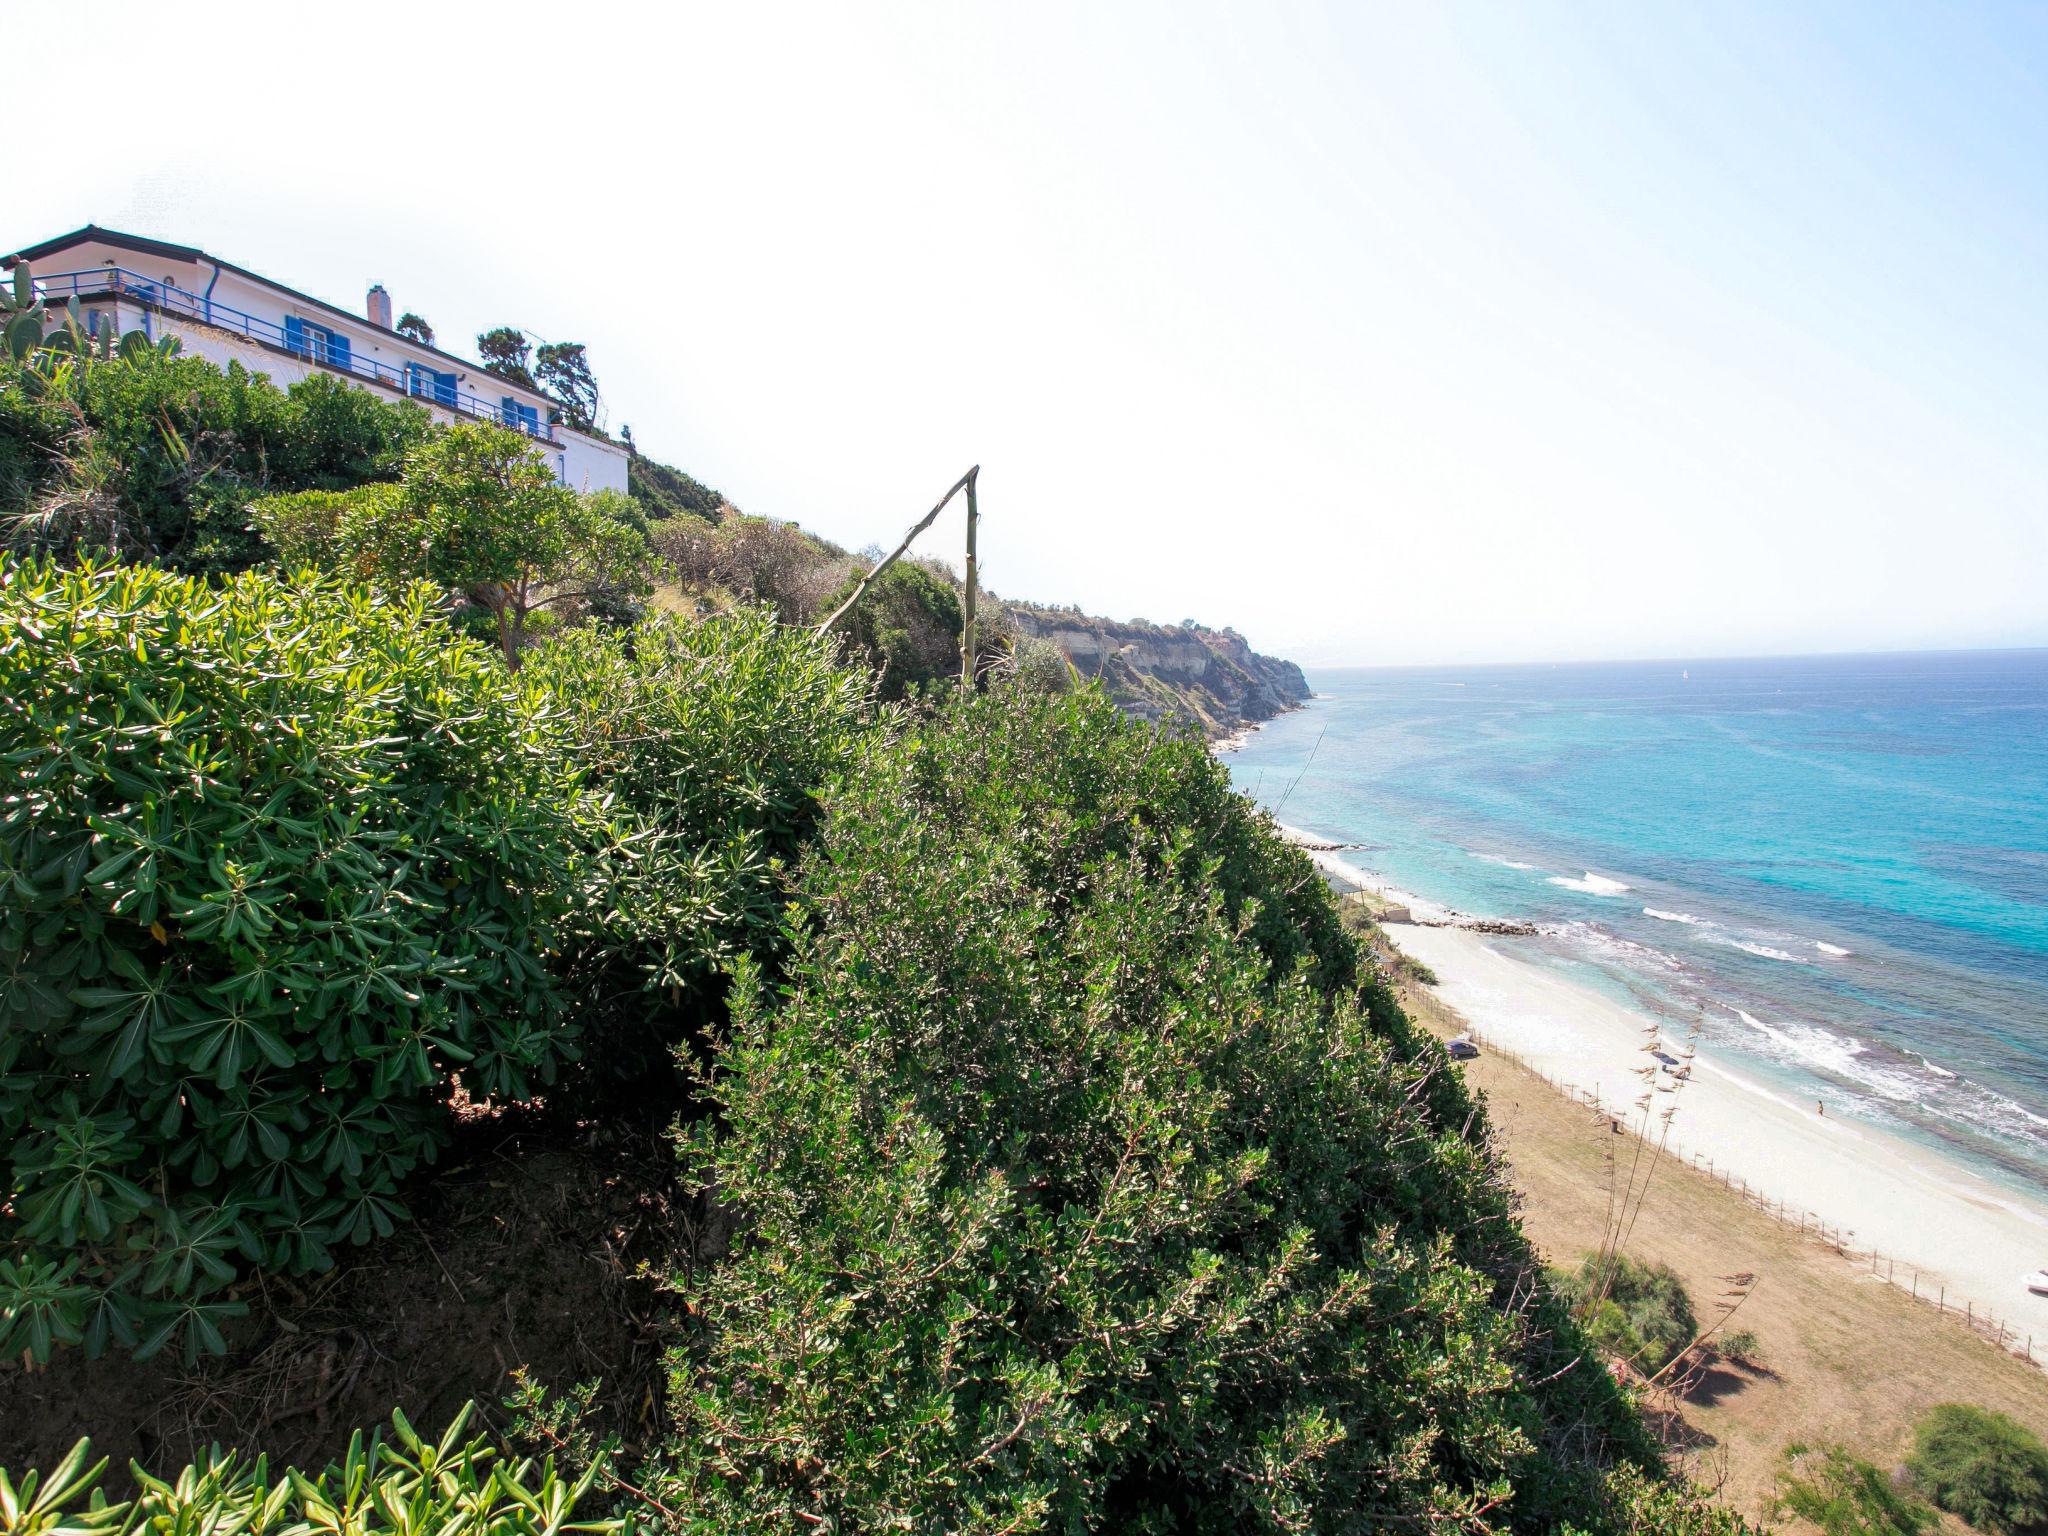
{"points": [[870, 1106]]}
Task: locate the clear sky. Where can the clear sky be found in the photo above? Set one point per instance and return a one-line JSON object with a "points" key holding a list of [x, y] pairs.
{"points": [[1383, 332]]}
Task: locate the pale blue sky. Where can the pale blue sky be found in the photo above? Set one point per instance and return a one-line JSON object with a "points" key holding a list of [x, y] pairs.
{"points": [[1384, 332]]}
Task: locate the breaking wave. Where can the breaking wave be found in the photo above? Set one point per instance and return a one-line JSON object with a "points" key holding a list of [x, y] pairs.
{"points": [[1602, 945], [1677, 917], [1844, 1056], [1592, 885], [1832, 949], [1764, 951]]}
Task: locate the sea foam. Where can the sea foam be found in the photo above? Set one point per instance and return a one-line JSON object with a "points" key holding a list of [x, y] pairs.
{"points": [[1845, 1056], [1677, 917], [1832, 949], [1494, 858], [1764, 951], [1592, 885]]}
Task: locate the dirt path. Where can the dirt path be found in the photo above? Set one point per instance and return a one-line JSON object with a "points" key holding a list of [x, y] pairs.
{"points": [[1846, 1357]]}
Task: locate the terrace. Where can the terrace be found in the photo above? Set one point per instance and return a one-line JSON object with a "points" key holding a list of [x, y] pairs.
{"points": [[306, 339]]}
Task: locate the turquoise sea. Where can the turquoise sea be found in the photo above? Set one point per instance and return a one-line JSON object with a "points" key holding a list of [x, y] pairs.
{"points": [[1836, 868]]}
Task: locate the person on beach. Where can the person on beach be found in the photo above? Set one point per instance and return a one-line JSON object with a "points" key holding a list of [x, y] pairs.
{"points": [[1820, 1109]]}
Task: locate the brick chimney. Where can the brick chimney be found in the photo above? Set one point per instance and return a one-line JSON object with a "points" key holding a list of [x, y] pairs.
{"points": [[378, 306]]}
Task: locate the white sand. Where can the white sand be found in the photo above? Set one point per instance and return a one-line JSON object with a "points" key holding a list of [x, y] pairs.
{"points": [[1906, 1202]]}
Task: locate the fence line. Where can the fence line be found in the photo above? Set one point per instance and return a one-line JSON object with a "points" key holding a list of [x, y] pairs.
{"points": [[1994, 1330]]}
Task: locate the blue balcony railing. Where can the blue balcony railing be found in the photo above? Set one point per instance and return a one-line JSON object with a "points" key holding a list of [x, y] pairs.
{"points": [[312, 341]]}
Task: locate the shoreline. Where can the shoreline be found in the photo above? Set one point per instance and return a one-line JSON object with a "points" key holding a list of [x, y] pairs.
{"points": [[1840, 1355], [1928, 1223]]}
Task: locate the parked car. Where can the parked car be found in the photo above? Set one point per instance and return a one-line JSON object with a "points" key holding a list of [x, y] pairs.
{"points": [[1461, 1048]]}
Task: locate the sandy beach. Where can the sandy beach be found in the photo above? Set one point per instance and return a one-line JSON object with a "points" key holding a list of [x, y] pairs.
{"points": [[1946, 1231]]}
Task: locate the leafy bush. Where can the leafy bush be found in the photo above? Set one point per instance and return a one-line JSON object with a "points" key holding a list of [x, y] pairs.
{"points": [[757, 560], [1635, 1312], [1986, 1468], [1075, 1189], [283, 862], [667, 492], [717, 736], [1740, 1345], [376, 1489], [1038, 666], [477, 511], [905, 628], [1845, 1495], [168, 451]]}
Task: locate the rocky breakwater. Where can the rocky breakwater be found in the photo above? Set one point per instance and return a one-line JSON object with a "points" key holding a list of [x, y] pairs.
{"points": [[1186, 671]]}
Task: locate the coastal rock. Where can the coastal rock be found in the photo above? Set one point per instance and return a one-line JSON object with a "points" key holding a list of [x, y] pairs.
{"points": [[1183, 671], [1500, 925]]}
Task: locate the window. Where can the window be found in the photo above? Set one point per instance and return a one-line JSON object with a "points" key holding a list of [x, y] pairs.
{"points": [[427, 384], [520, 418], [319, 342]]}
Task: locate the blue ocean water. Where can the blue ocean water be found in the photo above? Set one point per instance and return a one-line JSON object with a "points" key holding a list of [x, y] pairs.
{"points": [[1836, 868]]}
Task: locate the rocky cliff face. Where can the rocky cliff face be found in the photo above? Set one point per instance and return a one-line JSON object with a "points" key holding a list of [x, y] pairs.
{"points": [[1210, 676]]}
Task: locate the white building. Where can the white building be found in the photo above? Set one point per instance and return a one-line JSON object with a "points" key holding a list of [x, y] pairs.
{"points": [[226, 313]]}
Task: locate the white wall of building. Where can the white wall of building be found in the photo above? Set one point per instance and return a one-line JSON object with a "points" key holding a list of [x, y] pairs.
{"points": [[582, 462]]}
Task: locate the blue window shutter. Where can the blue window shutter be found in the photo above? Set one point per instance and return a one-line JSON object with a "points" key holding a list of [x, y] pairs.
{"points": [[444, 388], [508, 411], [338, 352], [295, 335]]}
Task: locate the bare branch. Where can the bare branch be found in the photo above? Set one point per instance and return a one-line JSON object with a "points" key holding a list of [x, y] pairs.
{"points": [[923, 523]]}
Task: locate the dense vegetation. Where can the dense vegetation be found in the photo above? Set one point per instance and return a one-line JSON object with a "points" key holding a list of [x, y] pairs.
{"points": [[475, 511], [159, 459], [1635, 1312], [667, 492], [379, 1487], [1083, 1183], [241, 823], [1059, 1163], [1984, 1467], [1842, 1494]]}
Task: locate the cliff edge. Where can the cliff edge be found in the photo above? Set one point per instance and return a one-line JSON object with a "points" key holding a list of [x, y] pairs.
{"points": [[1161, 671]]}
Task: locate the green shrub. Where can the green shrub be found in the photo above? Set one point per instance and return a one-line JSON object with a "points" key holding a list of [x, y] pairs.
{"points": [[905, 628], [665, 492], [173, 449], [376, 1489], [1845, 1495], [716, 736], [1986, 1468], [1740, 1345], [283, 865], [1636, 1312], [1067, 1199]]}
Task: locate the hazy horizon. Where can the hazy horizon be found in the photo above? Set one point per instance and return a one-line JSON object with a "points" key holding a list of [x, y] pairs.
{"points": [[1380, 334], [1675, 661]]}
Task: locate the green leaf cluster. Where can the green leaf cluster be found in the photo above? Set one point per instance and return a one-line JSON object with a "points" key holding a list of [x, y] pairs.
{"points": [[1844, 1495], [905, 629], [159, 455], [1983, 1466], [714, 738], [407, 1486], [476, 511], [284, 864], [1083, 1180], [1633, 1311]]}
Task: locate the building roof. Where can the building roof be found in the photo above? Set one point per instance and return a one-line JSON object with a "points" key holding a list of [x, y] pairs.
{"points": [[127, 242]]}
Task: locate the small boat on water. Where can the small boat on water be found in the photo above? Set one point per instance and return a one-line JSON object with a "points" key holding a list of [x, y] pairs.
{"points": [[2037, 1282]]}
